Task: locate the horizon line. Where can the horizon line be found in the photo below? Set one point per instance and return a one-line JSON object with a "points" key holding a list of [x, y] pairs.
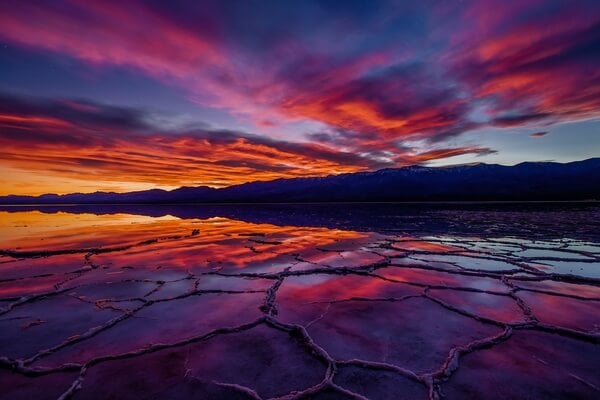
{"points": [[301, 177]]}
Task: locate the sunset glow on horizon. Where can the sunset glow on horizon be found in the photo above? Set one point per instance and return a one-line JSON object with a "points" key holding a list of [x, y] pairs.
{"points": [[107, 96]]}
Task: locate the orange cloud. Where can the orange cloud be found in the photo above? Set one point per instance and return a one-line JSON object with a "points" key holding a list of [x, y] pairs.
{"points": [[85, 147], [519, 62]]}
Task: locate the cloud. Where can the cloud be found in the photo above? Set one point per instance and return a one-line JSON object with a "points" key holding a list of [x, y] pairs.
{"points": [[538, 134], [542, 68], [411, 159], [61, 138], [374, 78], [361, 69], [520, 119], [100, 140], [399, 103], [72, 113], [274, 70]]}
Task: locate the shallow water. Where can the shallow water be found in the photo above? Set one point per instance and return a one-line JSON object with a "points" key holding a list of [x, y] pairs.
{"points": [[303, 301]]}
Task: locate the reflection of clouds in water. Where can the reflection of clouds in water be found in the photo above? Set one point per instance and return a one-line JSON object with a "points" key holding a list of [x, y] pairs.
{"points": [[395, 301]]}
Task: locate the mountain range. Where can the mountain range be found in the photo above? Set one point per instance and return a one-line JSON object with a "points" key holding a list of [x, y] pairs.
{"points": [[528, 181]]}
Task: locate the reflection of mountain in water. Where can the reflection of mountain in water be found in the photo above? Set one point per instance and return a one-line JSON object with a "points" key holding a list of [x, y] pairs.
{"points": [[543, 220]]}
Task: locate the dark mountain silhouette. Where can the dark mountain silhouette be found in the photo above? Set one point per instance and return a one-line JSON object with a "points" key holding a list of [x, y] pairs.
{"points": [[528, 181]]}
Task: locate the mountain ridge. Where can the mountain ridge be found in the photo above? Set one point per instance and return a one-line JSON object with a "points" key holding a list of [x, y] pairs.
{"points": [[538, 181]]}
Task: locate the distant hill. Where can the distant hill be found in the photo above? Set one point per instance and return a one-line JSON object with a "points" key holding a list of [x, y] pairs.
{"points": [[528, 181]]}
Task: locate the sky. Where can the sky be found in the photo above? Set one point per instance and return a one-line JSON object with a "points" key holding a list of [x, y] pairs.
{"points": [[121, 96]]}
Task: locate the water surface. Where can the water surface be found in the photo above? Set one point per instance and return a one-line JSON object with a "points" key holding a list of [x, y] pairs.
{"points": [[300, 301]]}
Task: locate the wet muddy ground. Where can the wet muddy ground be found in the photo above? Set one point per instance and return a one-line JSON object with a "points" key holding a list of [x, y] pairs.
{"points": [[120, 306]]}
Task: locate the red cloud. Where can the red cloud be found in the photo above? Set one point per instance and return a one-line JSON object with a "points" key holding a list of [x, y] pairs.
{"points": [[541, 69], [106, 143], [314, 85], [522, 62], [534, 67]]}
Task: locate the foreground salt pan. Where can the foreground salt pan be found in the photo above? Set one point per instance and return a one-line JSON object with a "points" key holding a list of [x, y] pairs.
{"points": [[127, 306]]}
